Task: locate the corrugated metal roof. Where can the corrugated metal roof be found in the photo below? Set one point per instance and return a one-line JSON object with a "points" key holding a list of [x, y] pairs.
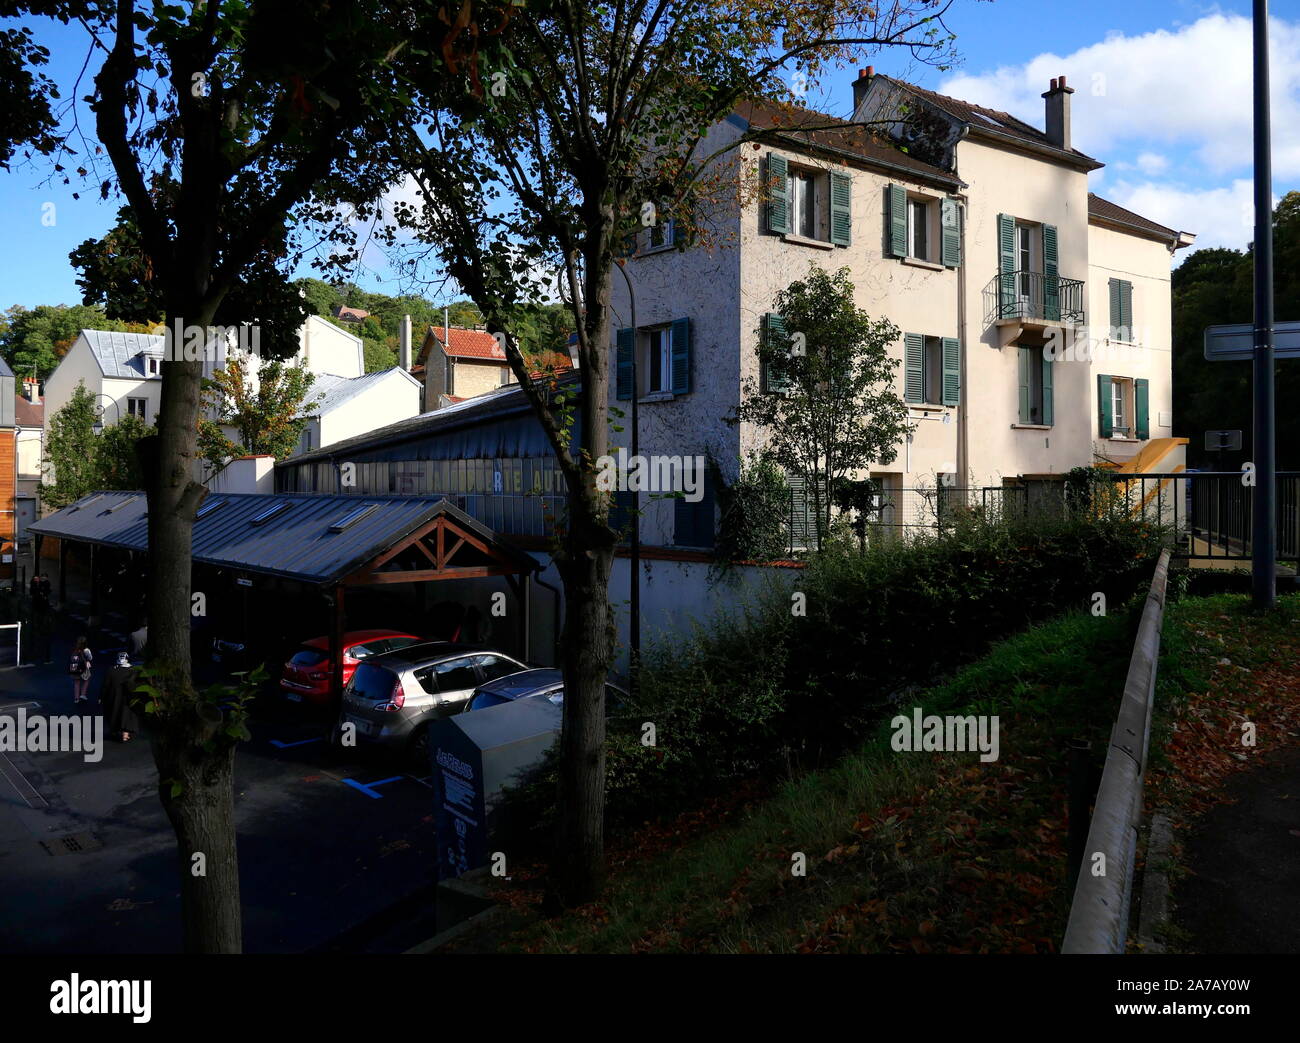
{"points": [[484, 418], [295, 543], [329, 391]]}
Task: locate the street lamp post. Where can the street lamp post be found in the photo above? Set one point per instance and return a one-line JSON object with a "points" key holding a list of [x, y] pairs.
{"points": [[634, 560], [1264, 521]]}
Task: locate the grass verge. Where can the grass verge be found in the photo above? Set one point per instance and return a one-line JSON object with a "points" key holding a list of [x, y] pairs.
{"points": [[903, 852]]}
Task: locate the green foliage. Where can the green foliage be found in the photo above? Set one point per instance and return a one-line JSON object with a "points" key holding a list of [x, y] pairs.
{"points": [[83, 461], [765, 691], [753, 509], [1214, 286], [37, 338], [840, 413], [267, 414]]}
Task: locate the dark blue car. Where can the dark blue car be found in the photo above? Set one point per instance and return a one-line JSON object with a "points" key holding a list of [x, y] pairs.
{"points": [[529, 684]]}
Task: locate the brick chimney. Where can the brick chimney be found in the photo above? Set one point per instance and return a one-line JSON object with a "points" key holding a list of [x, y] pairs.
{"points": [[1058, 113], [32, 388], [861, 84]]}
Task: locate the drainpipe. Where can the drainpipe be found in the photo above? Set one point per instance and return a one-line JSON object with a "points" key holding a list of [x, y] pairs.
{"points": [[963, 399]]}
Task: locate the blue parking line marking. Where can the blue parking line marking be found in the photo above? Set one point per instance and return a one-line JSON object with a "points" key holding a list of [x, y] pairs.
{"points": [[301, 742], [367, 787]]}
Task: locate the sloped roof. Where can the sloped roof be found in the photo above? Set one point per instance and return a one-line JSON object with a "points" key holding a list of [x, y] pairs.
{"points": [[296, 543], [329, 391], [28, 414], [118, 354], [1105, 210], [980, 117], [5, 371], [503, 402], [812, 129], [466, 344]]}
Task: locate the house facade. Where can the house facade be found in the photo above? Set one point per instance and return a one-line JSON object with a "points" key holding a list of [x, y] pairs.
{"points": [[456, 364], [1034, 316]]}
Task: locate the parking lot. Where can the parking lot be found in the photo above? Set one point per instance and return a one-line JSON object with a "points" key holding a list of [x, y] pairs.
{"points": [[335, 846]]}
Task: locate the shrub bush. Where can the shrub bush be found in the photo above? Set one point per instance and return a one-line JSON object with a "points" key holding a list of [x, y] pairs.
{"points": [[765, 692]]}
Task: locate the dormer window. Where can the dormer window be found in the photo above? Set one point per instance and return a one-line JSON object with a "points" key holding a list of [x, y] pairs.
{"points": [[152, 366]]}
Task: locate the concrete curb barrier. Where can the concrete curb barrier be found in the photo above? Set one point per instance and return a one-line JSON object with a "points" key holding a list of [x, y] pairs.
{"points": [[1099, 913]]}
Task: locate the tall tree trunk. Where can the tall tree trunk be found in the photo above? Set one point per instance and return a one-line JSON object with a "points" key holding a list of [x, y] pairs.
{"points": [[587, 642], [195, 760], [588, 636]]}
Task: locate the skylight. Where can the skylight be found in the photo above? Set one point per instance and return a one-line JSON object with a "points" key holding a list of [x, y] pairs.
{"points": [[210, 506], [269, 512], [354, 516]]}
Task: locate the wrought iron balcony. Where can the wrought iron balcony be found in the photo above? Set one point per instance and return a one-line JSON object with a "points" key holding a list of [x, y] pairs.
{"points": [[1033, 298]]}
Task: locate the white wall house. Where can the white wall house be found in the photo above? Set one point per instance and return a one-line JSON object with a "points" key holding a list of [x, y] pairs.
{"points": [[981, 243], [343, 407], [123, 372]]}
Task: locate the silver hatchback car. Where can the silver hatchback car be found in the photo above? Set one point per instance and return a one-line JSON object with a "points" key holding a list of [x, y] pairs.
{"points": [[393, 697]]}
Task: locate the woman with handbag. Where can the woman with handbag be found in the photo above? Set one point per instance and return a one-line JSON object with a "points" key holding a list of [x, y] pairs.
{"points": [[79, 667]]}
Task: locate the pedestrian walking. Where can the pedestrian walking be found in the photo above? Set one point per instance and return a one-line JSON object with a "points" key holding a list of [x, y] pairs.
{"points": [[79, 667], [119, 686]]}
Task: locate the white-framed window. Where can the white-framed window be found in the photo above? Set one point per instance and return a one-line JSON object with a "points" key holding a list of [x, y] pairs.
{"points": [[137, 407], [803, 193], [656, 361], [507, 376], [152, 366], [661, 234], [918, 228], [1121, 390]]}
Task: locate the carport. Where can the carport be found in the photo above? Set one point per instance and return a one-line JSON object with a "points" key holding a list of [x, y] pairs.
{"points": [[329, 543]]}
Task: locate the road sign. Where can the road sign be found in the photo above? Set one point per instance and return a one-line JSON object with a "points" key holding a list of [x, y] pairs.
{"points": [[1237, 342], [1222, 441]]}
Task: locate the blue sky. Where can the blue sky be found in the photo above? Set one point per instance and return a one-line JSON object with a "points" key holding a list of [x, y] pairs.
{"points": [[1162, 97]]}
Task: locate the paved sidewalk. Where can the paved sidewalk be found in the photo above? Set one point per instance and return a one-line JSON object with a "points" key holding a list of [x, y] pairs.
{"points": [[1243, 892]]}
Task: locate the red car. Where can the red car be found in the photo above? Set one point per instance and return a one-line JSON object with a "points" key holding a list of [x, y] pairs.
{"points": [[309, 675]]}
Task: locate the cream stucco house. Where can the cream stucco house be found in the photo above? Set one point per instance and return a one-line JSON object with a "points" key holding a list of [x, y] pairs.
{"points": [[1035, 315]]}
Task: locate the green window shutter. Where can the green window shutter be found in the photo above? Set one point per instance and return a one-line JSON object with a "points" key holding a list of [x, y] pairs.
{"points": [[1047, 391], [803, 514], [778, 194], [1126, 309], [951, 371], [1142, 407], [626, 340], [1105, 421], [913, 367], [681, 360], [841, 194], [950, 231], [896, 220], [1051, 275], [1116, 309], [1007, 264], [774, 336], [1026, 407]]}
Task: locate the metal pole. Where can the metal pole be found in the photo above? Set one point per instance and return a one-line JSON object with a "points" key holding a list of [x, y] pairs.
{"points": [[1264, 527], [634, 561]]}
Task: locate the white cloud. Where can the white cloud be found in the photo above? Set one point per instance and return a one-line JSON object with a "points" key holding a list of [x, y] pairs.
{"points": [[1152, 163], [1187, 89], [1219, 216]]}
